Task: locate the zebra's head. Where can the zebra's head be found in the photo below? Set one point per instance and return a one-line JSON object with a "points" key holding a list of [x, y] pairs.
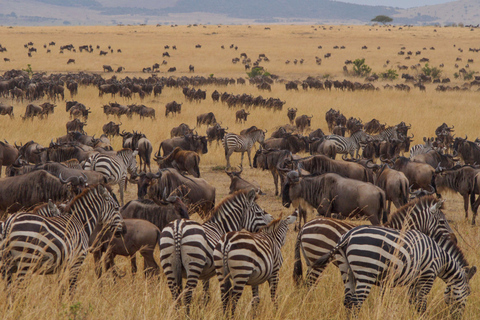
{"points": [[109, 214], [458, 290], [132, 164], [278, 228], [255, 217]]}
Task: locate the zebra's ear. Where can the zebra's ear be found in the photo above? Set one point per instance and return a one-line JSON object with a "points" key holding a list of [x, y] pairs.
{"points": [[51, 205], [252, 195], [471, 272], [103, 191], [291, 219]]}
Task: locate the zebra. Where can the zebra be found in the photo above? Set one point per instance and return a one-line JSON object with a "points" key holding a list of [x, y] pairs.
{"points": [[114, 168], [49, 245], [186, 245], [373, 255], [349, 145], [242, 143], [389, 133], [421, 148], [249, 258], [320, 235]]}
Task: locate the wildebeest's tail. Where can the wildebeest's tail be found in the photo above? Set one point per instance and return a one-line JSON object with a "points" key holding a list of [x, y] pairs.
{"points": [[404, 192], [474, 188], [382, 211], [297, 265]]}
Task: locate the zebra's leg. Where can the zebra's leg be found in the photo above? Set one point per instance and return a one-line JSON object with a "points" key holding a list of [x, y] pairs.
{"points": [[241, 159], [121, 185], [206, 291], [249, 157], [273, 282], [225, 289], [362, 291], [419, 291], [238, 286], [227, 156], [255, 299], [74, 271]]}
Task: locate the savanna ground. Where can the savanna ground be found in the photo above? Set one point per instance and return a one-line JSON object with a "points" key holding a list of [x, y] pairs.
{"points": [[133, 297]]}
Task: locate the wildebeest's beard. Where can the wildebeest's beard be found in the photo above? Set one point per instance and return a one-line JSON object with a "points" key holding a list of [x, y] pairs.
{"points": [[286, 201]]}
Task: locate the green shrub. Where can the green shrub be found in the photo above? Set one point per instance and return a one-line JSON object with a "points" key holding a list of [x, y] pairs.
{"points": [[432, 72], [360, 69], [390, 74]]}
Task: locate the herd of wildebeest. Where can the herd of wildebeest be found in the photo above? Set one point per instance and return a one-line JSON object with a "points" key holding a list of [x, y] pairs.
{"points": [[373, 171]]}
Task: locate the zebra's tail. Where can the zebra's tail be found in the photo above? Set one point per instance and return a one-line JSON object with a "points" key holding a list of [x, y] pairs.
{"points": [[227, 283], [325, 259], [297, 265], [177, 261]]}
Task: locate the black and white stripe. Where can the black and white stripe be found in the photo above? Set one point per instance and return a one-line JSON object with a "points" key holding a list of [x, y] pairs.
{"points": [[114, 168], [318, 236], [349, 145], [389, 133], [47, 245], [245, 258], [242, 143], [372, 255], [187, 245]]}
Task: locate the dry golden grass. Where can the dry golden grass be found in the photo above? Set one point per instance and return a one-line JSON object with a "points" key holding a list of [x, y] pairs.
{"points": [[133, 297]]}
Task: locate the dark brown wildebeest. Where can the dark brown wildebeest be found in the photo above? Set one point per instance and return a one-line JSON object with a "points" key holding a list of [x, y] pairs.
{"points": [[111, 129], [303, 122], [157, 90], [291, 114], [188, 142], [318, 133], [339, 131], [327, 148], [353, 125], [120, 69], [291, 86], [172, 69], [206, 118], [65, 173], [215, 96], [468, 151], [330, 193], [241, 115], [419, 175], [191, 68], [331, 117], [29, 152], [4, 110], [197, 193], [292, 142], [28, 190], [460, 179], [47, 108], [395, 185], [145, 149], [70, 61], [321, 164], [180, 131], [173, 107], [436, 159], [8, 155], [216, 133], [107, 68], [374, 126], [272, 160], [182, 160], [75, 125], [31, 111], [237, 183]]}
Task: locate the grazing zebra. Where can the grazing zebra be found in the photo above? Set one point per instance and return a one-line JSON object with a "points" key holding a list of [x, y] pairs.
{"points": [[52, 244], [187, 246], [114, 168], [320, 235], [242, 143], [246, 258], [349, 145], [372, 255]]}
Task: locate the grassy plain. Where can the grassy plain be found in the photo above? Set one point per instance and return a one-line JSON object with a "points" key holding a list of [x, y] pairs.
{"points": [[135, 298]]}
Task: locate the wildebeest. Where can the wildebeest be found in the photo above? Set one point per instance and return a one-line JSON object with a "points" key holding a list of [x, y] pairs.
{"points": [[75, 125], [111, 129], [436, 159], [188, 142], [4, 110], [196, 193], [291, 114], [272, 160], [172, 69], [106, 68], [321, 164], [70, 61], [216, 133], [293, 142], [419, 175], [395, 185], [206, 118], [303, 122], [331, 193], [325, 147], [173, 107], [30, 152], [182, 160], [8, 155], [241, 115], [180, 131], [238, 183], [468, 151], [31, 111], [27, 190]]}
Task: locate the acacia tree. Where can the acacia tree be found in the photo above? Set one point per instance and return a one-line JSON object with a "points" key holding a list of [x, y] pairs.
{"points": [[382, 18]]}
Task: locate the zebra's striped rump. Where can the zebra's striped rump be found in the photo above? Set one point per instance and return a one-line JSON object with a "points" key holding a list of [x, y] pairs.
{"points": [[371, 255], [246, 258], [187, 246], [32, 242]]}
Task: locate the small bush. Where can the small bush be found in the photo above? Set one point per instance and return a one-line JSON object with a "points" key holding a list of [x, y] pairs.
{"points": [[360, 69], [468, 75], [432, 72], [258, 71], [390, 74]]}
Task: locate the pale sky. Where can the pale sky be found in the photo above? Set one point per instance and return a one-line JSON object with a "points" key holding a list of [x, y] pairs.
{"points": [[397, 3]]}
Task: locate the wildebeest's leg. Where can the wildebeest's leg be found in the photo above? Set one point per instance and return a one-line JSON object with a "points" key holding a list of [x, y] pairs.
{"points": [[275, 180], [465, 204], [150, 267], [133, 263]]}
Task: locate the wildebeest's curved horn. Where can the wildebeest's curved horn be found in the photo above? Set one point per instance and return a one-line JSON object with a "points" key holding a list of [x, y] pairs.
{"points": [[385, 160], [311, 116], [83, 179], [455, 153], [296, 109], [241, 170], [412, 136], [413, 192], [409, 126], [72, 178], [226, 128], [431, 188], [158, 175], [266, 131]]}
